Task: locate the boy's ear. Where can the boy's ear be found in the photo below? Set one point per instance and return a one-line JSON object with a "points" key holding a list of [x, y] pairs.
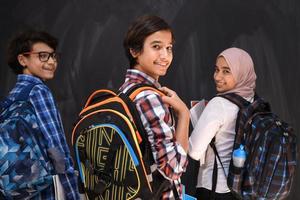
{"points": [[133, 53], [22, 60]]}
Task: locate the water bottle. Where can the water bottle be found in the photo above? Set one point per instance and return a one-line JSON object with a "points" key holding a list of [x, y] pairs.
{"points": [[239, 156]]}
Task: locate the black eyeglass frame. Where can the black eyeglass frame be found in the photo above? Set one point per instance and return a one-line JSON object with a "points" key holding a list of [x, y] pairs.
{"points": [[44, 55]]}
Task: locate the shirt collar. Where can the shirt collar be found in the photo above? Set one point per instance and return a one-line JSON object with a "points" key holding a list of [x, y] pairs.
{"points": [[29, 78], [141, 77]]}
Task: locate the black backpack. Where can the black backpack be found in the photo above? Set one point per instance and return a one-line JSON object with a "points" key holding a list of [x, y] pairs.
{"points": [[271, 149], [112, 150]]}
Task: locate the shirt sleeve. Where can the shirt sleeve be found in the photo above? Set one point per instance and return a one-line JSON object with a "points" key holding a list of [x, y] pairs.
{"points": [[51, 127], [209, 123], [168, 154]]}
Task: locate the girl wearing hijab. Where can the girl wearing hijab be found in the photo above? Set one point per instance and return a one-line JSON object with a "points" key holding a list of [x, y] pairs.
{"points": [[234, 73]]}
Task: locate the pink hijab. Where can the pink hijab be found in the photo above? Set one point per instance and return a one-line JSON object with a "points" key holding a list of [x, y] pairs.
{"points": [[242, 68]]}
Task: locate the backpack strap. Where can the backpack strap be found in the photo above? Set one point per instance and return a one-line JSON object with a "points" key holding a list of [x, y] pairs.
{"points": [[5, 103], [98, 94], [258, 105], [22, 96], [105, 176], [236, 99], [132, 93], [215, 172], [246, 109], [138, 88], [215, 169], [242, 104]]}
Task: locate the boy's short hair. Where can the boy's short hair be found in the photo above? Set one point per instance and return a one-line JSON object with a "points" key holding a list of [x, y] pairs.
{"points": [[23, 42], [139, 30]]}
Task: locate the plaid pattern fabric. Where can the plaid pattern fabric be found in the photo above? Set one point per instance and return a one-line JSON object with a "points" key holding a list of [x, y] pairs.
{"points": [[50, 124], [271, 152], [169, 156]]}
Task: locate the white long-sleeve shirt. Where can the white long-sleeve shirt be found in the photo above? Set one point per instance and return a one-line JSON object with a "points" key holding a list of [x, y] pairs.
{"points": [[217, 120]]}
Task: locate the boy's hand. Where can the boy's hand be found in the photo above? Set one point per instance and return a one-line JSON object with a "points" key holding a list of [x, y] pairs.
{"points": [[174, 101]]}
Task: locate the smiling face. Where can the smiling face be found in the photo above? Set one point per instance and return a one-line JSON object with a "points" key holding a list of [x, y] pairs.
{"points": [[34, 66], [223, 76], [156, 55]]}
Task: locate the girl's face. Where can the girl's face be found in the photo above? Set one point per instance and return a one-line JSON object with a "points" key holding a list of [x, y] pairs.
{"points": [[156, 55], [223, 76]]}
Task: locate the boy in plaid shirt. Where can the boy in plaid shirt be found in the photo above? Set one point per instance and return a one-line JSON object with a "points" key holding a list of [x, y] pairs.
{"points": [[148, 45]]}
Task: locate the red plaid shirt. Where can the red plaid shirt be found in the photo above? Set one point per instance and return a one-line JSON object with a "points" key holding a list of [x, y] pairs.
{"points": [[168, 154]]}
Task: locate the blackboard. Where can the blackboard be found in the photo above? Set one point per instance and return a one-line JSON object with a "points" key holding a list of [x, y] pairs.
{"points": [[91, 35]]}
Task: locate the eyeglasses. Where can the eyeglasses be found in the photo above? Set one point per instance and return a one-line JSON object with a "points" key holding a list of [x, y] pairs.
{"points": [[44, 56]]}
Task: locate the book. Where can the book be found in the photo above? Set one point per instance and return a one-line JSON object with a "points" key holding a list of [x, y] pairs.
{"points": [[196, 110], [58, 188]]}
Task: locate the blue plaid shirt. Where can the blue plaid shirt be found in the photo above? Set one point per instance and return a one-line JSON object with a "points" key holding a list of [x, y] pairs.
{"points": [[51, 127]]}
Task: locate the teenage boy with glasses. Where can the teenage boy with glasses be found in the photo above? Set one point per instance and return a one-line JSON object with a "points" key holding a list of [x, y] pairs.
{"points": [[32, 56]]}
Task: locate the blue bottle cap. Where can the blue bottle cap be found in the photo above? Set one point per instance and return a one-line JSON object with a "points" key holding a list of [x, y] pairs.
{"points": [[240, 152]]}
